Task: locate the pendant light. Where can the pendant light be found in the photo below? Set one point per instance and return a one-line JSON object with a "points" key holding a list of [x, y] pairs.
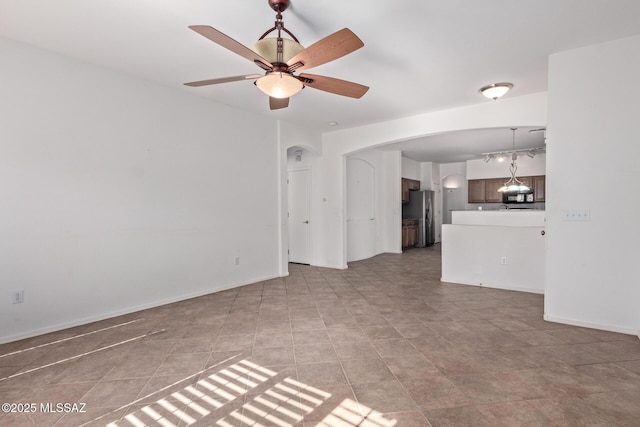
{"points": [[514, 185]]}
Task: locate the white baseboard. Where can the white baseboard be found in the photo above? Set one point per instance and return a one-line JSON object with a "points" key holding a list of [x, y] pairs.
{"points": [[492, 286], [592, 325], [337, 267], [127, 310]]}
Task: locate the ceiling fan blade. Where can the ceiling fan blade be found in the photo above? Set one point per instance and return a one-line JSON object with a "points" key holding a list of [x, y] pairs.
{"points": [[277, 103], [329, 48], [234, 46], [337, 86], [223, 80]]}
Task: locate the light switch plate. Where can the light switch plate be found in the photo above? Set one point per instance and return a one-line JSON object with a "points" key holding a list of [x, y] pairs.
{"points": [[577, 215]]}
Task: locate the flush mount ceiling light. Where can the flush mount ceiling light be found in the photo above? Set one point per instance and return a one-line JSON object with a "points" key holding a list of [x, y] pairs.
{"points": [[495, 90]]}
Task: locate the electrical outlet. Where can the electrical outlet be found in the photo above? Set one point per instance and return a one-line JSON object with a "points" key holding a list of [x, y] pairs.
{"points": [[18, 297], [503, 260], [236, 261]]}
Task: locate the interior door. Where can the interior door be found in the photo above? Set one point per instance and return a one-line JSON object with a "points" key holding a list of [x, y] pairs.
{"points": [[299, 195]]}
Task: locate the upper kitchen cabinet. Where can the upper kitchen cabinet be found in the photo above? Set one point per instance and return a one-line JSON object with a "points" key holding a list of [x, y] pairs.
{"points": [[409, 185], [491, 190], [486, 190], [539, 183], [477, 190], [526, 180]]}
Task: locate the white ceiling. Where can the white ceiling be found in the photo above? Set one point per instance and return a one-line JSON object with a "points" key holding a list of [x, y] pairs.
{"points": [[419, 55]]}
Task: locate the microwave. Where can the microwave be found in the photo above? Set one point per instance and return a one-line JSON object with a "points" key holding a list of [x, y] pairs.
{"points": [[517, 197]]}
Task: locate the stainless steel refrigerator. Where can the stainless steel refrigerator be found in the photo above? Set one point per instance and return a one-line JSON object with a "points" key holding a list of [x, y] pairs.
{"points": [[420, 207]]}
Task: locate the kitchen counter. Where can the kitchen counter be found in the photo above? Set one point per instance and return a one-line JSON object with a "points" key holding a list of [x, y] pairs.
{"points": [[506, 218], [497, 249]]}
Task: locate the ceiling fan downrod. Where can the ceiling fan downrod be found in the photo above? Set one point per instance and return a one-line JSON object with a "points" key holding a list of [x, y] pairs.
{"points": [[279, 6]]}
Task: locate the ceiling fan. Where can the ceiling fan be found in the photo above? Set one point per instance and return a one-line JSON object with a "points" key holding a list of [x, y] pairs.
{"points": [[281, 58]]}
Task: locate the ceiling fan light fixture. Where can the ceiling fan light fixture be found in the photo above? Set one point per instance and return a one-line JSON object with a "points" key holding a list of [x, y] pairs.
{"points": [[495, 90], [279, 85]]}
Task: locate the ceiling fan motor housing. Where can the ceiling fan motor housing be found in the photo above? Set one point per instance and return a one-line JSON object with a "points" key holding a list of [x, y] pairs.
{"points": [[279, 5]]}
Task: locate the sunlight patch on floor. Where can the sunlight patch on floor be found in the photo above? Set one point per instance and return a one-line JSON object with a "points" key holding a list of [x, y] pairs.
{"points": [[245, 393], [350, 413]]}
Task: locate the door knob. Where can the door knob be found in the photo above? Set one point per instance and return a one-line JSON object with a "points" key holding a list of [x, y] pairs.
{"points": [[542, 232], [305, 222]]}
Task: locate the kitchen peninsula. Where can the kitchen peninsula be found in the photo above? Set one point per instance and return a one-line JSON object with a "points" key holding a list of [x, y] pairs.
{"points": [[495, 248]]}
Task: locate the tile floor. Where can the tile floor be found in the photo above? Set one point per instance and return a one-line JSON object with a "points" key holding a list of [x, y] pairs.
{"points": [[381, 344]]}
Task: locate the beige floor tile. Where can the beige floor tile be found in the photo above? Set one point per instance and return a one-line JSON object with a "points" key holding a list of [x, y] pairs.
{"points": [[384, 396], [273, 340], [451, 417], [321, 374], [367, 370], [315, 353], [435, 392], [514, 414], [269, 357], [383, 341]]}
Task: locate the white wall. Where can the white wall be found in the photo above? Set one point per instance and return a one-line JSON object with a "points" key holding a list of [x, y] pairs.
{"points": [[294, 138], [426, 175], [118, 194], [373, 204], [306, 161], [473, 248], [527, 110], [391, 222], [592, 163], [453, 198], [471, 255], [436, 187], [410, 169]]}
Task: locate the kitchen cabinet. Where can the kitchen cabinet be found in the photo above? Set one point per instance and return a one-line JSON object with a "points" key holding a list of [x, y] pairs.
{"points": [[539, 183], [409, 185], [477, 190], [491, 190], [409, 232], [486, 190], [405, 191], [526, 180]]}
